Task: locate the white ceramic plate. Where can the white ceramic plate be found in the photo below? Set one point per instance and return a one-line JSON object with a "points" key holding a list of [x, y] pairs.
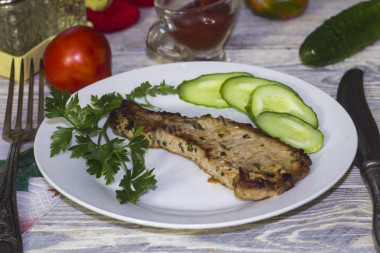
{"points": [[183, 199]]}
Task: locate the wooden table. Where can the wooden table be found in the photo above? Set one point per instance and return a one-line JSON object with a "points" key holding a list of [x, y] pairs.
{"points": [[337, 221]]}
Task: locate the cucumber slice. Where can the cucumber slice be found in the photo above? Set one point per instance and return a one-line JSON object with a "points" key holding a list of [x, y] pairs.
{"points": [[205, 89], [279, 99], [236, 91], [291, 130]]}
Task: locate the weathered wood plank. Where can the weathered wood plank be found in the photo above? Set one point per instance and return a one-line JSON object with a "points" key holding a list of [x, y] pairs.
{"points": [[337, 221], [327, 223]]}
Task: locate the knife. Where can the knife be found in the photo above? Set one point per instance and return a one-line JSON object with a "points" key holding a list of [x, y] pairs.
{"points": [[351, 96]]}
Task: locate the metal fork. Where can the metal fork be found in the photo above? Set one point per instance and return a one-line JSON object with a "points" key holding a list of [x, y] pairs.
{"points": [[10, 236]]}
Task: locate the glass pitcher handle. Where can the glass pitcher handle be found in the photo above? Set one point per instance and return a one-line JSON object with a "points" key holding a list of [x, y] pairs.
{"points": [[159, 41]]}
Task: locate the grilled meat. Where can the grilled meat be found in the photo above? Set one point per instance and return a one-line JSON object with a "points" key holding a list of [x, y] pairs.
{"points": [[244, 159]]}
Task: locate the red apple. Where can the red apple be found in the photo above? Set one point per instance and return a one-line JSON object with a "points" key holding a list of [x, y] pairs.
{"points": [[77, 57]]}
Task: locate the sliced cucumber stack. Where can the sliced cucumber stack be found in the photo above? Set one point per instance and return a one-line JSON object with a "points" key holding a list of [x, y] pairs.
{"points": [[279, 99], [291, 130], [237, 91], [274, 107], [205, 89]]}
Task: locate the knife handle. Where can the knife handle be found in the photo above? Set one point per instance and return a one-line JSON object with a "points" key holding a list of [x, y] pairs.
{"points": [[371, 177]]}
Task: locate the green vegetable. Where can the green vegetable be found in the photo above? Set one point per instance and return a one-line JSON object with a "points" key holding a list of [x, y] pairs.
{"points": [[278, 9], [146, 89], [291, 130], [257, 96], [237, 91], [279, 99], [106, 156], [342, 35], [205, 89]]}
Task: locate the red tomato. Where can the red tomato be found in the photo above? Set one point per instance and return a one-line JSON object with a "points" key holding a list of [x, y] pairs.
{"points": [[77, 57], [278, 9]]}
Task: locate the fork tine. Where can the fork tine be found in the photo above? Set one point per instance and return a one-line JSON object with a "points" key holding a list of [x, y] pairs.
{"points": [[8, 112], [29, 116], [20, 97], [41, 95]]}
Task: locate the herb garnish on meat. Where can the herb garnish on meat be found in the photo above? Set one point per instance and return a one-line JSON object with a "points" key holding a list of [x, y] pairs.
{"points": [[105, 156], [146, 89]]}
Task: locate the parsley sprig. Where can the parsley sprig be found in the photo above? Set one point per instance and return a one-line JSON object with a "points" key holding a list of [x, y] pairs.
{"points": [[146, 89], [104, 157]]}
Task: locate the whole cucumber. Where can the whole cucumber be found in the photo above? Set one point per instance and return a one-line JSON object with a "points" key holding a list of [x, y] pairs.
{"points": [[342, 35]]}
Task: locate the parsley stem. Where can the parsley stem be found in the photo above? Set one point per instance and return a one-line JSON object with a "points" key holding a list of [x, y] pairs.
{"points": [[147, 102], [149, 105], [103, 132], [71, 122]]}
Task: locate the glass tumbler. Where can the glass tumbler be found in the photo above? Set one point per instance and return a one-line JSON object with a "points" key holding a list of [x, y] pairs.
{"points": [[26, 23]]}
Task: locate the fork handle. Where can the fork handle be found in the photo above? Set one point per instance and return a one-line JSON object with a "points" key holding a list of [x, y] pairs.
{"points": [[10, 236]]}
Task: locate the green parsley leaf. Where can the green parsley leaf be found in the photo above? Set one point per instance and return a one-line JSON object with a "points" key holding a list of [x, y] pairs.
{"points": [[137, 145], [55, 106], [137, 181], [132, 187], [146, 89], [106, 157], [102, 160], [61, 139], [107, 103], [161, 89]]}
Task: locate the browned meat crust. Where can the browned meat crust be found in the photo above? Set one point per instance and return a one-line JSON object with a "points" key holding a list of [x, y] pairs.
{"points": [[237, 155]]}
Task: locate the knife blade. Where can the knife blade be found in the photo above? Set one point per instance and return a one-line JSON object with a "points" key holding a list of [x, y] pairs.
{"points": [[352, 97]]}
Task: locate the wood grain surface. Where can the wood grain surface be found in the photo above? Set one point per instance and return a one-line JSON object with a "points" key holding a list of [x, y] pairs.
{"points": [[337, 221]]}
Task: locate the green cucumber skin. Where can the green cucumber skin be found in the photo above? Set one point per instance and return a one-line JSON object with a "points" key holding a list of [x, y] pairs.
{"points": [[231, 86], [232, 95], [342, 35], [190, 91], [270, 123], [307, 113]]}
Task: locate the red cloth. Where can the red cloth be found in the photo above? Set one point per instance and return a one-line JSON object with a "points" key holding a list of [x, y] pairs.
{"points": [[118, 16]]}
